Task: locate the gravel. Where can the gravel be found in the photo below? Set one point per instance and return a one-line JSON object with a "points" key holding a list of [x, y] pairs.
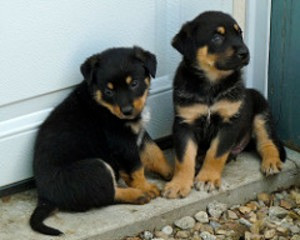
{"points": [[270, 216]]}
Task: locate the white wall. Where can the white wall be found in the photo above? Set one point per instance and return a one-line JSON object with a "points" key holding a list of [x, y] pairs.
{"points": [[43, 44]]}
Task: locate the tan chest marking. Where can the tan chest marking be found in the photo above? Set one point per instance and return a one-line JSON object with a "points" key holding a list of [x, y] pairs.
{"points": [[224, 108], [193, 112]]}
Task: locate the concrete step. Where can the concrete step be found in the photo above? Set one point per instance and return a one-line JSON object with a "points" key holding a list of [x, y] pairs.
{"points": [[242, 180]]}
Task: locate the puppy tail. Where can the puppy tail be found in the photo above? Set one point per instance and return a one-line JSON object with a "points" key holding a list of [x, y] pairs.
{"points": [[42, 211]]}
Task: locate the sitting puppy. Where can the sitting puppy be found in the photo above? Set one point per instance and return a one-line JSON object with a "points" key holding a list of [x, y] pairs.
{"points": [[215, 116], [95, 134]]}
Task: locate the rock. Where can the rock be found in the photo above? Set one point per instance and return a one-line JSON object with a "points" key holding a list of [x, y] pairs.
{"points": [[168, 230], [252, 217], [277, 212], [248, 236], [182, 234], [185, 223], [296, 196], [158, 239], [207, 236], [285, 204], [203, 228], [264, 197], [245, 222], [244, 210], [282, 230], [252, 205], [294, 229], [221, 232], [296, 237], [231, 215], [214, 225], [201, 217], [146, 235], [269, 233], [160, 234], [215, 209]]}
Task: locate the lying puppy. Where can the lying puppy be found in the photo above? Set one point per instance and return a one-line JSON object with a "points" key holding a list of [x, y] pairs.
{"points": [[215, 116], [95, 134]]}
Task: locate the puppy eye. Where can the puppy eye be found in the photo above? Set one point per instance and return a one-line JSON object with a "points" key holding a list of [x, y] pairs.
{"points": [[217, 39], [108, 92], [134, 84]]}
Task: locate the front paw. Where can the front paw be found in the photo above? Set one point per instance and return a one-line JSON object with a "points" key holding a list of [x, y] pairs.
{"points": [[176, 189], [271, 166], [207, 180], [151, 190]]}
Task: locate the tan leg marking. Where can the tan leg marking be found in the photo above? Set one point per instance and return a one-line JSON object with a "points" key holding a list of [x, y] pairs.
{"points": [[182, 182], [271, 163], [209, 176], [131, 195], [137, 180], [154, 160]]}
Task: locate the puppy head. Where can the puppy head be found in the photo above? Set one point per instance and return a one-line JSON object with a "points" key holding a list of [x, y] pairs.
{"points": [[213, 42], [119, 79]]}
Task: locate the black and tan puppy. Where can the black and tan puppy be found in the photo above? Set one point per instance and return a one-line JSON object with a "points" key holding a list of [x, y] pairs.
{"points": [[94, 135], [215, 116]]}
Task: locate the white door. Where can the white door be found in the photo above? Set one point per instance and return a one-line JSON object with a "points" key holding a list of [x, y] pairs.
{"points": [[43, 43]]}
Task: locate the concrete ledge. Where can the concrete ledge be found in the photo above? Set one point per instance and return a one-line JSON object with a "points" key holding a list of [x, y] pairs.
{"points": [[242, 180]]}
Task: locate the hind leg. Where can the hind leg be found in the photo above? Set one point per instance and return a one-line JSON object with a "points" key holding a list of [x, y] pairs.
{"points": [[266, 145], [153, 158]]}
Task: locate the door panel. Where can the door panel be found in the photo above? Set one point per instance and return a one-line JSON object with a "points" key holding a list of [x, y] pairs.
{"points": [[284, 73]]}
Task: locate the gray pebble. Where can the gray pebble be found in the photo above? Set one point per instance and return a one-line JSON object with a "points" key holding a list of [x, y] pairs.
{"points": [[201, 217], [207, 236], [245, 222], [168, 230], [147, 235], [215, 209], [185, 223]]}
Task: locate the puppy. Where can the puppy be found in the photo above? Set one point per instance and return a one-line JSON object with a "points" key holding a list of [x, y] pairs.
{"points": [[215, 115], [95, 135]]}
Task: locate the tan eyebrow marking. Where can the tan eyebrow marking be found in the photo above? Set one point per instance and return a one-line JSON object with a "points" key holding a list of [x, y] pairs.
{"points": [[236, 27], [221, 30], [128, 80], [110, 86]]}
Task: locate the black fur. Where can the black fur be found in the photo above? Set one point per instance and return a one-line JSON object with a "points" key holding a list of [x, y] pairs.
{"points": [[193, 86], [81, 136]]}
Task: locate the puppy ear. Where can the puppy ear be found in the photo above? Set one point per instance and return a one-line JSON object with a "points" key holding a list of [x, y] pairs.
{"points": [[88, 66], [183, 41], [147, 58]]}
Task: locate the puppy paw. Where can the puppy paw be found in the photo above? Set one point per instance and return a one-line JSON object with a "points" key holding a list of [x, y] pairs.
{"points": [[175, 189], [207, 181], [151, 190], [271, 166], [142, 199]]}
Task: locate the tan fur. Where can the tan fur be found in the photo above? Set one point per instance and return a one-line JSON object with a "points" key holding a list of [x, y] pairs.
{"points": [[226, 109], [213, 166], [137, 180], [181, 184], [128, 80], [154, 160], [270, 155], [114, 109], [147, 81], [206, 62], [221, 30], [236, 27], [110, 86], [140, 102], [130, 195], [192, 112]]}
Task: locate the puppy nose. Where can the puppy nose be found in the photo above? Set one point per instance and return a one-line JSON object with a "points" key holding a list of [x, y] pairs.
{"points": [[127, 110], [243, 53]]}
